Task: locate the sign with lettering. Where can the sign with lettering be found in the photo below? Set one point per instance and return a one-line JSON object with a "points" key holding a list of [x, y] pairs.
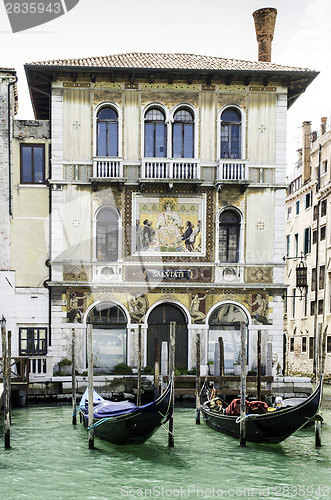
{"points": [[171, 274]]}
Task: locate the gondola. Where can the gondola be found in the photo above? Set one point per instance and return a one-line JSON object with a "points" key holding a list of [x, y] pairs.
{"points": [[124, 422], [270, 427]]}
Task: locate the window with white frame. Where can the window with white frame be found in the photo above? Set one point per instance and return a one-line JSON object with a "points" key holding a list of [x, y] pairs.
{"points": [[107, 235], [107, 132], [155, 134], [231, 122], [229, 236], [183, 134]]}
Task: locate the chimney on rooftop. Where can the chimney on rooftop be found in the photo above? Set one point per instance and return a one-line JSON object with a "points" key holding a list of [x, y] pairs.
{"points": [[323, 125], [265, 20]]}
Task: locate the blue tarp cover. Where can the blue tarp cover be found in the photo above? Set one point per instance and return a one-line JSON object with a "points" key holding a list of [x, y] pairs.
{"points": [[109, 408]]}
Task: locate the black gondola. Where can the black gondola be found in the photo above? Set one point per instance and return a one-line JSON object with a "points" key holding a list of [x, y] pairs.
{"points": [[124, 422], [270, 427]]}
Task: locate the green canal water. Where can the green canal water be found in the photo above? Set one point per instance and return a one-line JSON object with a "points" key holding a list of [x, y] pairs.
{"points": [[50, 459]]}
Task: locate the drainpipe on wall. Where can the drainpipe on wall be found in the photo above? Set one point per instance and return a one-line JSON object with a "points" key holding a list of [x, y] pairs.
{"points": [[317, 262]]}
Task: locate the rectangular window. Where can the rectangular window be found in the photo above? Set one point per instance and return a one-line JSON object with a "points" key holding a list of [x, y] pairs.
{"points": [[32, 341], [307, 241], [288, 241], [328, 344], [324, 167], [323, 232], [311, 347], [312, 308], [292, 344], [314, 236], [313, 279], [32, 163], [320, 306], [306, 302], [289, 212], [308, 200], [321, 278], [297, 207], [315, 212], [323, 208], [304, 344], [296, 245]]}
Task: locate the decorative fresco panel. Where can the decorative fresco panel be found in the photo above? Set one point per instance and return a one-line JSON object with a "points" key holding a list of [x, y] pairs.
{"points": [[169, 225]]}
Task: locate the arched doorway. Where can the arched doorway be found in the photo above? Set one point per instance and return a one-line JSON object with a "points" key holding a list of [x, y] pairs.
{"points": [[225, 322], [159, 326], [109, 336]]}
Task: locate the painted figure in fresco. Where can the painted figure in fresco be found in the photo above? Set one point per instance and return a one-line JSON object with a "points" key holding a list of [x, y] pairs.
{"points": [[139, 236], [168, 225], [195, 238], [194, 308], [187, 235], [260, 309], [75, 310], [147, 234], [138, 306]]}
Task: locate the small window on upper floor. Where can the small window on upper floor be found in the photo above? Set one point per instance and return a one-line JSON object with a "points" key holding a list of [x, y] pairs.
{"points": [[32, 163], [183, 134], [231, 134], [323, 208], [155, 134], [297, 207], [308, 199], [107, 132], [229, 236], [107, 230]]}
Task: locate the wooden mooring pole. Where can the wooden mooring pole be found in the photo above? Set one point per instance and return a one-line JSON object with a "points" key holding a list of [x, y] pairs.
{"points": [[73, 376], [90, 385], [319, 368], [258, 382], [6, 383], [242, 384], [197, 382], [164, 364], [139, 368], [172, 345], [156, 367]]}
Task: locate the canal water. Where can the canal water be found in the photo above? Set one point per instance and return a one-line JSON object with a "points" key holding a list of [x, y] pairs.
{"points": [[50, 459]]}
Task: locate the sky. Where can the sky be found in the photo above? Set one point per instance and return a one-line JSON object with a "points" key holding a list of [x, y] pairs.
{"points": [[212, 27]]}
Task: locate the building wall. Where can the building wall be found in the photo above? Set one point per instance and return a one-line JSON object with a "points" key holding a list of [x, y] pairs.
{"points": [[303, 322], [75, 202]]}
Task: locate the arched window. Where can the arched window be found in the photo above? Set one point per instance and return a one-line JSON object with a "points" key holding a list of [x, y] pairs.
{"points": [[109, 336], [231, 134], [107, 235], [229, 234], [183, 134], [107, 132], [155, 134]]}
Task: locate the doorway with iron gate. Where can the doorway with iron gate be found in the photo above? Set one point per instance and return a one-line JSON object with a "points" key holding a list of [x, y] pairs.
{"points": [[159, 326]]}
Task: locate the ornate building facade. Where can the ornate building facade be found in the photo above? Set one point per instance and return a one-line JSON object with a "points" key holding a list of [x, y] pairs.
{"points": [[157, 194]]}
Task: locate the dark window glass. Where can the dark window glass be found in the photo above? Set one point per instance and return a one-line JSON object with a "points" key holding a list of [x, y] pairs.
{"points": [[313, 279], [307, 241], [292, 344], [328, 344], [323, 208], [107, 235], [297, 207], [32, 341], [314, 236], [321, 278], [311, 347], [107, 132], [304, 344], [320, 306], [155, 134], [183, 135], [323, 232], [312, 308], [231, 134], [33, 163], [229, 232], [315, 212]]}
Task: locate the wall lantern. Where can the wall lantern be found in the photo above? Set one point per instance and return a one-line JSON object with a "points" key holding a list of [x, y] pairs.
{"points": [[301, 275]]}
